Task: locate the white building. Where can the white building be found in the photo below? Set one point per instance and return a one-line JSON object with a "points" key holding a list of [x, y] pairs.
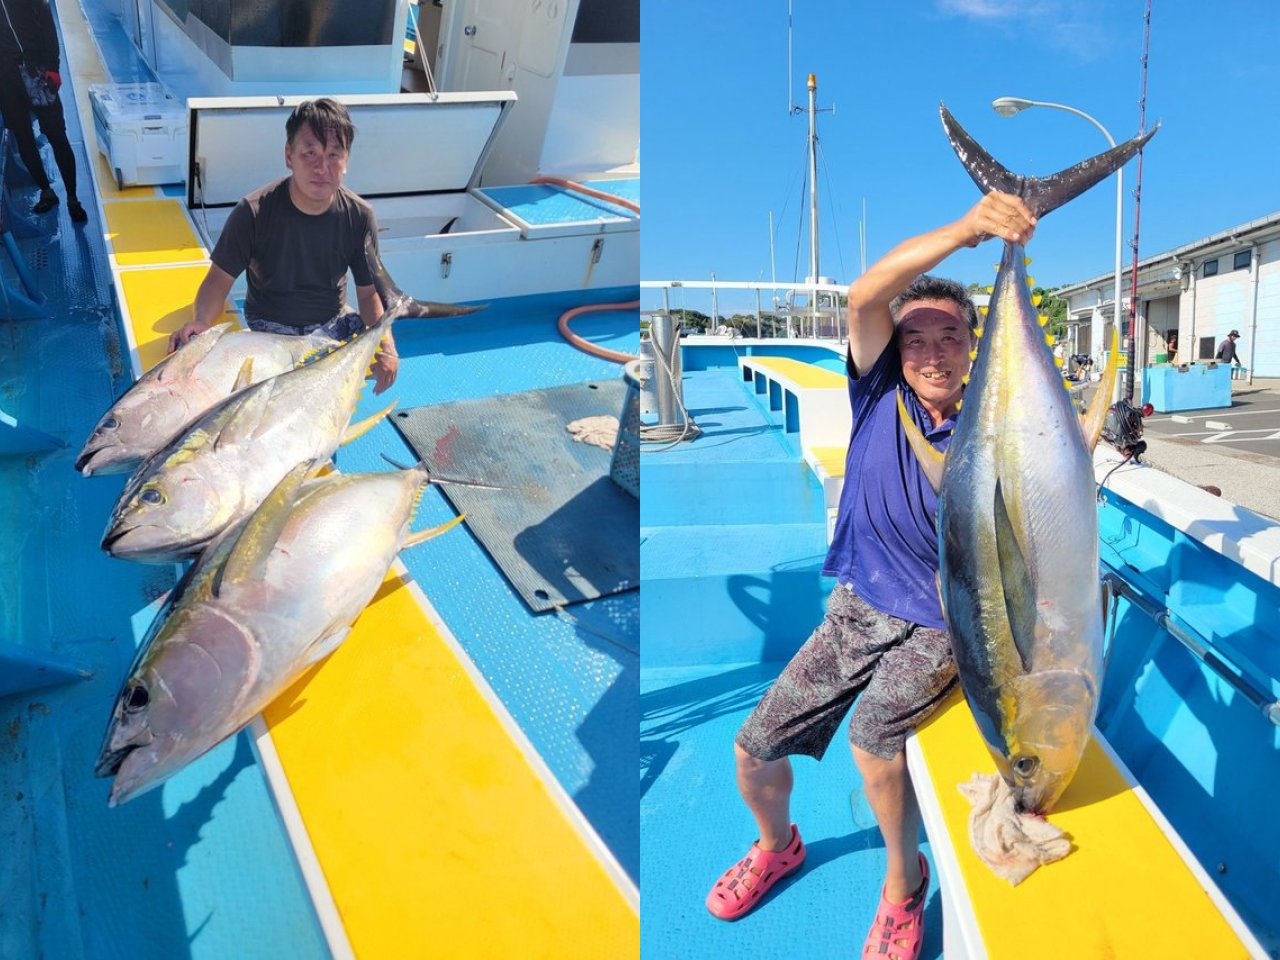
{"points": [[1194, 295]]}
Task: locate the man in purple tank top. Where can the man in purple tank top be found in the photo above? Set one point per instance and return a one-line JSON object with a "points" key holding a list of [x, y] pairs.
{"points": [[883, 647]]}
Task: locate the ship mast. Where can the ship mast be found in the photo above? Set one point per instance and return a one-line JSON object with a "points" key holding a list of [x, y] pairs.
{"points": [[813, 180]]}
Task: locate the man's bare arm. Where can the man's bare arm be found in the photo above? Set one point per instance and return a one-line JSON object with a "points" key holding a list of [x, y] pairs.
{"points": [[870, 322]]}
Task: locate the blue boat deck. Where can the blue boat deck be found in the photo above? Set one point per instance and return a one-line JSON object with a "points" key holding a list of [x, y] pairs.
{"points": [[726, 517]]}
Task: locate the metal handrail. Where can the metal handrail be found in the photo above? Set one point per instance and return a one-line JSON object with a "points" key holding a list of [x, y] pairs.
{"points": [[1249, 688]]}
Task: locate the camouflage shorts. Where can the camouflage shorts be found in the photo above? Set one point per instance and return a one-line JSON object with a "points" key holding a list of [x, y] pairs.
{"points": [[897, 672], [342, 327]]}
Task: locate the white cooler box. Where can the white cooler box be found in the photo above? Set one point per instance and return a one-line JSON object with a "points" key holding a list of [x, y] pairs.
{"points": [[142, 131]]}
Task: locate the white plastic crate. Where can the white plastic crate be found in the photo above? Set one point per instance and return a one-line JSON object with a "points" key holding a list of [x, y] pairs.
{"points": [[142, 131]]}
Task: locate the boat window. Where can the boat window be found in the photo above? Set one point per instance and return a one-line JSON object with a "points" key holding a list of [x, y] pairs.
{"points": [[1210, 268], [1241, 261]]}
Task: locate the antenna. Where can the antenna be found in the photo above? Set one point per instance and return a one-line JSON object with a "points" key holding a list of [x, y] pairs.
{"points": [[862, 238], [773, 267], [1137, 207]]}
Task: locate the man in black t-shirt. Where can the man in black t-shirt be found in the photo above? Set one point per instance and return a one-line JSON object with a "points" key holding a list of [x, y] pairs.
{"points": [[297, 237]]}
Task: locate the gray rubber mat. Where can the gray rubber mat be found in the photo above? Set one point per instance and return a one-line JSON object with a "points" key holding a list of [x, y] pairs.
{"points": [[560, 529]]}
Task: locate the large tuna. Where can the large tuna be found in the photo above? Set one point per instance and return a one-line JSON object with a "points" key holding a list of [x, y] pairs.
{"points": [[187, 383], [219, 469], [1017, 516], [267, 600]]}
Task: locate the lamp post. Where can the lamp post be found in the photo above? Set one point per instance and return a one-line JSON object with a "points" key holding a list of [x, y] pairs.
{"points": [[1007, 107]]}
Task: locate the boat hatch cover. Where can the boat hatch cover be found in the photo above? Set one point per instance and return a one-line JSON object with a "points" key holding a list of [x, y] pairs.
{"points": [[561, 530], [439, 143]]}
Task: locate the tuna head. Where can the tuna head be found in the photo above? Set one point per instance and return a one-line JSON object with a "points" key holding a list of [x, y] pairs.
{"points": [[179, 701], [165, 514], [130, 432], [1045, 728]]}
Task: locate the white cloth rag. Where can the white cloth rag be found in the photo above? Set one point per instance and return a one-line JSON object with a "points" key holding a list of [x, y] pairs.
{"points": [[1012, 844], [599, 431]]}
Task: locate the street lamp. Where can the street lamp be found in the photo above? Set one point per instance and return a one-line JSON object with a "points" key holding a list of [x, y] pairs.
{"points": [[1007, 107]]}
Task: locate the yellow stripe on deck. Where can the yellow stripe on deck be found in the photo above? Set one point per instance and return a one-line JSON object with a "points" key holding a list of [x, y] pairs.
{"points": [[158, 302], [831, 459], [150, 232], [435, 834], [1123, 892], [798, 372]]}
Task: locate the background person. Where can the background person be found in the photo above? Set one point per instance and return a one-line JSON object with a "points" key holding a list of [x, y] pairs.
{"points": [[1227, 349], [28, 40], [297, 238]]}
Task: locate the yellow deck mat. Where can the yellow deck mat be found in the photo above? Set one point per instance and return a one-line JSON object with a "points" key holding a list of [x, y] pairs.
{"points": [[150, 233], [831, 459], [158, 302], [436, 836], [1123, 892], [799, 373]]}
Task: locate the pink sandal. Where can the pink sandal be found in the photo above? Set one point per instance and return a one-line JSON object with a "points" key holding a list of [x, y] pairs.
{"points": [[898, 931], [733, 896]]}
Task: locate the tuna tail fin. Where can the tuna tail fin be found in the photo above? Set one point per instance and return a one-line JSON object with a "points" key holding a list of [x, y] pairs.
{"points": [[1041, 194], [395, 302]]}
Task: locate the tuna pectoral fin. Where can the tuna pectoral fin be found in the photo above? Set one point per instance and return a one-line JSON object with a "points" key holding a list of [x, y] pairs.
{"points": [[1095, 417], [1041, 194], [242, 425], [931, 461], [1015, 579], [245, 377], [248, 558], [422, 536], [364, 426]]}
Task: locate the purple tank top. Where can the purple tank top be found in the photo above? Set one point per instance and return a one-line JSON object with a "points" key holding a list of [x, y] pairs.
{"points": [[886, 539]]}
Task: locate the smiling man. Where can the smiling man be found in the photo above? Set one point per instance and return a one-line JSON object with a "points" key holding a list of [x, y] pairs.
{"points": [[297, 238], [883, 648]]}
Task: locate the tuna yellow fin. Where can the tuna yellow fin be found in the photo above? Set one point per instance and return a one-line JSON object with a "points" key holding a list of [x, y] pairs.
{"points": [[931, 461], [364, 426], [1091, 422], [248, 558], [424, 535], [245, 377]]}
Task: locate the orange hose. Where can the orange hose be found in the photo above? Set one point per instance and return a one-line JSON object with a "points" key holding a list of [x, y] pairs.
{"points": [[589, 191], [586, 346]]}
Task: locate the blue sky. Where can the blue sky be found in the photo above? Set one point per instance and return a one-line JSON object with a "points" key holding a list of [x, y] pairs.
{"points": [[720, 150]]}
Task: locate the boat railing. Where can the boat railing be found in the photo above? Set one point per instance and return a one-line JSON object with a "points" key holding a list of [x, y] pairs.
{"points": [[1251, 689], [752, 308]]}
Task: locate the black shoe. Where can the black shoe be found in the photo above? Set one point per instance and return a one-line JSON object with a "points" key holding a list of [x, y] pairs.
{"points": [[77, 212], [48, 200]]}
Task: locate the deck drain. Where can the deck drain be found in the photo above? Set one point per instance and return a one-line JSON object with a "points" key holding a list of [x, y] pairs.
{"points": [[40, 258]]}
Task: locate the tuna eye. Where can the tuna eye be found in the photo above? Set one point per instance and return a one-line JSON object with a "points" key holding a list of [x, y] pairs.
{"points": [[136, 697], [1026, 766], [110, 423], [151, 495]]}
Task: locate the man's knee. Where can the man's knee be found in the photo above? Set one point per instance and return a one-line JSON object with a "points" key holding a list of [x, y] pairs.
{"points": [[876, 770]]}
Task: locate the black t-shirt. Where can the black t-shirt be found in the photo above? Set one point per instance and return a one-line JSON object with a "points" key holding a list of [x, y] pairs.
{"points": [[297, 262]]}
